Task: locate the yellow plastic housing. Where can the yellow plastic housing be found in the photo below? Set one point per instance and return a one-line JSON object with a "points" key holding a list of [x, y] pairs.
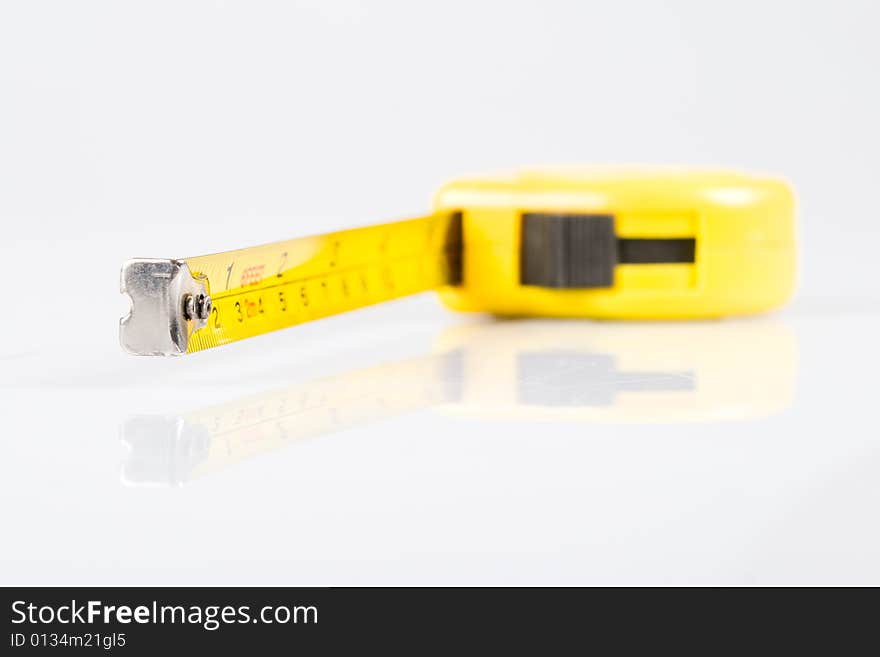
{"points": [[744, 227]]}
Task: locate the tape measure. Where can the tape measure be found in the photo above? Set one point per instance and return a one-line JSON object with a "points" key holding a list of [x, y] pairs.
{"points": [[626, 244]]}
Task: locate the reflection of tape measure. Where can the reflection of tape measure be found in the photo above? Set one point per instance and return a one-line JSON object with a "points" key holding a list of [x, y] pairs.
{"points": [[655, 244], [634, 373], [173, 449], [512, 371]]}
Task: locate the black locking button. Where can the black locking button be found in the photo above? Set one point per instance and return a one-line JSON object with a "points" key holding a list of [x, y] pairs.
{"points": [[581, 250], [568, 250]]}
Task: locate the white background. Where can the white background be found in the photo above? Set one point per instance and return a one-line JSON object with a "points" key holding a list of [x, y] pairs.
{"points": [[180, 128]]}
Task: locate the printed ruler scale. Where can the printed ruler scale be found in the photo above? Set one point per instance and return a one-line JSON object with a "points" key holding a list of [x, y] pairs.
{"points": [[278, 285]]}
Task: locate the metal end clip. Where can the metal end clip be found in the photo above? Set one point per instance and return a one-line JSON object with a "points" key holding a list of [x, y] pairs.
{"points": [[168, 304]]}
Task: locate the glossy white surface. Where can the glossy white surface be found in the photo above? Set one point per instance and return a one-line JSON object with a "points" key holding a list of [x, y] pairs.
{"points": [[535, 452], [416, 446]]}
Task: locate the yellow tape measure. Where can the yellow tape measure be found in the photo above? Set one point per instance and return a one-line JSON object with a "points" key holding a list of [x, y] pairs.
{"points": [[571, 242]]}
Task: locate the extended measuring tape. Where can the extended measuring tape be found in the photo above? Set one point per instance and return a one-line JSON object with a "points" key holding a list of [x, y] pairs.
{"points": [[622, 244]]}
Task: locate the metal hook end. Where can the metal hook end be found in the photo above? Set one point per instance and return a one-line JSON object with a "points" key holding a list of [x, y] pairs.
{"points": [[168, 304]]}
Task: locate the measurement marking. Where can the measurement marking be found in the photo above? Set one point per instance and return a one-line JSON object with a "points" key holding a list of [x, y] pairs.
{"points": [[323, 275]]}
